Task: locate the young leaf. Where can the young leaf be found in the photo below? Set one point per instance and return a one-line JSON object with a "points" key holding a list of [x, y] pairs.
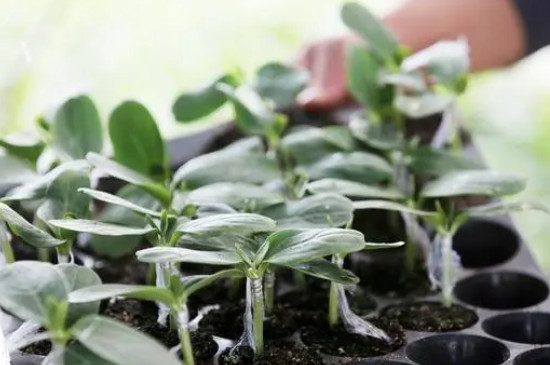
{"points": [[100, 292], [63, 196], [75, 353], [28, 286], [393, 206], [321, 210], [23, 145], [309, 144], [143, 150], [422, 105], [116, 200], [372, 30], [323, 269], [26, 231], [280, 83], [79, 277], [226, 166], [191, 284], [99, 228], [476, 182], [240, 196], [383, 136], [37, 189], [195, 105], [15, 171], [76, 128], [252, 115], [355, 166], [120, 344], [123, 173], [178, 254], [241, 223], [503, 207], [116, 214], [438, 162], [352, 189], [291, 247]]}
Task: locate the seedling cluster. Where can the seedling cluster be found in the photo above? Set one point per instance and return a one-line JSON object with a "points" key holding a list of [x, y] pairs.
{"points": [[267, 210]]}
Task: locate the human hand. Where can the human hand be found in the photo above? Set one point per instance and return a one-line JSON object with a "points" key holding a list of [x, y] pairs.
{"points": [[325, 61]]}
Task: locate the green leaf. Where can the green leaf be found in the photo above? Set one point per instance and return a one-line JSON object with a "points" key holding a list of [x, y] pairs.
{"points": [[339, 136], [37, 189], [382, 245], [321, 210], [224, 166], [503, 207], [25, 230], [361, 167], [28, 287], [291, 247], [97, 293], [252, 114], [76, 128], [79, 277], [15, 171], [240, 196], [383, 136], [23, 145], [123, 173], [116, 200], [352, 189], [372, 30], [438, 162], [119, 343], [239, 223], [481, 182], [75, 353], [280, 83], [199, 104], [178, 254], [63, 195], [191, 284], [422, 105], [99, 228], [309, 144], [325, 270], [118, 246], [143, 149], [362, 77], [393, 206]]}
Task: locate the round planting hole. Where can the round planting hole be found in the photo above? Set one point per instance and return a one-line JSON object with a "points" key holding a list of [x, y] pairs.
{"points": [[482, 243], [375, 362], [530, 328], [501, 290], [431, 316], [534, 357], [457, 350]]}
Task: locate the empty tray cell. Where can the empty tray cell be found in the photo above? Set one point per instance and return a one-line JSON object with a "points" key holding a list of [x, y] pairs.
{"points": [[525, 327], [534, 357]]}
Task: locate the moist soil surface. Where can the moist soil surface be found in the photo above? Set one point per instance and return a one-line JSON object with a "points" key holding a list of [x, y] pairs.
{"points": [[387, 278], [143, 316], [339, 342], [41, 348], [279, 353], [307, 307], [227, 322], [432, 316]]}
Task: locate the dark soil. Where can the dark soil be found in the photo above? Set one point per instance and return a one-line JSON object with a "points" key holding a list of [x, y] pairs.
{"points": [[227, 322], [41, 348], [432, 316], [386, 276], [310, 306], [220, 291], [339, 342], [279, 353], [122, 271]]}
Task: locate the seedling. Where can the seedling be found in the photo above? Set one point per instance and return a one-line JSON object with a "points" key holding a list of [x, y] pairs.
{"points": [[301, 250], [39, 292], [174, 297], [443, 262]]}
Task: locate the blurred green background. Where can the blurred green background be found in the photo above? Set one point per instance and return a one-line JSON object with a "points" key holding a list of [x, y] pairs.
{"points": [[152, 50]]}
